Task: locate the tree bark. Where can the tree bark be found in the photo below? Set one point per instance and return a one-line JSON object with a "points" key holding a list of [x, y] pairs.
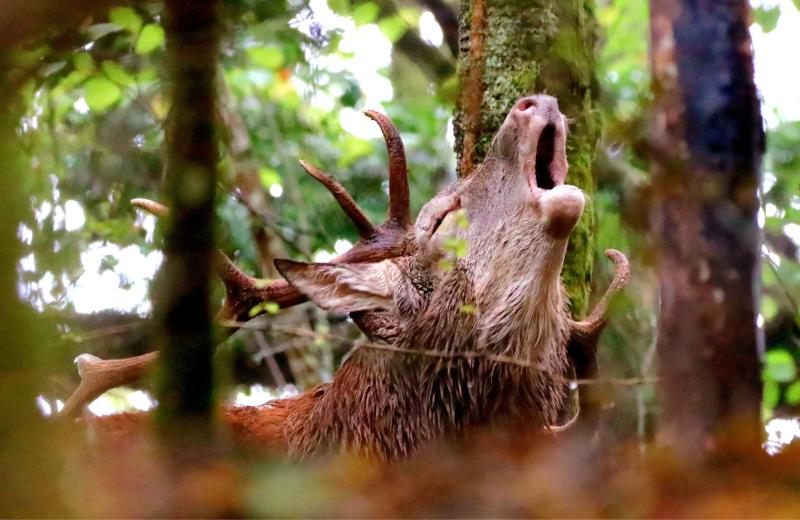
{"points": [[707, 142], [511, 48], [183, 307]]}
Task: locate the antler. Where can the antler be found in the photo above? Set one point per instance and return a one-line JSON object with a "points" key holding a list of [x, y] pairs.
{"points": [[244, 294], [99, 375], [582, 345], [593, 324]]}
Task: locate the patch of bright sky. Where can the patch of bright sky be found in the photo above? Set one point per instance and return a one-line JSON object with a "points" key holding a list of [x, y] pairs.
{"points": [[776, 77], [95, 291], [780, 433]]}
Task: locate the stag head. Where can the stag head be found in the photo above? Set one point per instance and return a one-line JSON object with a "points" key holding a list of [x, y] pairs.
{"points": [[477, 275], [514, 217]]}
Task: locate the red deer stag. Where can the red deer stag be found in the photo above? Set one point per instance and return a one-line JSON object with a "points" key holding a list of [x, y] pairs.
{"points": [[454, 342]]}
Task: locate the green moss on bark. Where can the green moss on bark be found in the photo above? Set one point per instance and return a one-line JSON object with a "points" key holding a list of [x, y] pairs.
{"points": [[535, 46]]}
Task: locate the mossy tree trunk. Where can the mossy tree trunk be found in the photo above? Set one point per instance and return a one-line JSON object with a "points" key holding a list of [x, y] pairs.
{"points": [[511, 48]]}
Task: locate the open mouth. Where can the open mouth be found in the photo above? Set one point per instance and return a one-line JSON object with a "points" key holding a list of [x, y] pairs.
{"points": [[545, 153]]}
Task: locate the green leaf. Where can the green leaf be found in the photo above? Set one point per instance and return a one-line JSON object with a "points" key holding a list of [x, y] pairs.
{"points": [[270, 57], [84, 62], [792, 394], [71, 80], [461, 219], [269, 177], [151, 38], [117, 74], [767, 18], [98, 30], [393, 27], [779, 366], [147, 75], [339, 6], [796, 4], [365, 13], [458, 246], [769, 307], [467, 308], [126, 18], [101, 93], [772, 395]]}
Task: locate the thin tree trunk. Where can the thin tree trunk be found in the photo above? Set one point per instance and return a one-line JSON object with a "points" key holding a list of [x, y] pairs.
{"points": [[706, 151], [511, 48], [28, 441], [184, 311]]}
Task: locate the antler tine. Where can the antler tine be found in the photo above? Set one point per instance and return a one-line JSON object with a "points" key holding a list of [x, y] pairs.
{"points": [[345, 200], [99, 375], [152, 207], [244, 293], [399, 210], [593, 324]]}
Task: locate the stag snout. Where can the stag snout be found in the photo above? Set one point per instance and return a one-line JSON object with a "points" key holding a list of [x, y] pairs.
{"points": [[543, 137]]}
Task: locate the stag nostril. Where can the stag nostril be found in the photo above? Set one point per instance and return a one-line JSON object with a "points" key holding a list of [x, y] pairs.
{"points": [[525, 104]]}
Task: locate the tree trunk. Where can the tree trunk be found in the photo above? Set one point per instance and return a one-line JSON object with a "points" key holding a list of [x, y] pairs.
{"points": [[511, 48], [707, 142], [183, 307], [29, 483]]}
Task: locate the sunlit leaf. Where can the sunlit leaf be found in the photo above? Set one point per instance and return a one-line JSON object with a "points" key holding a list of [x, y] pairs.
{"points": [[126, 18], [101, 93], [772, 395], [84, 62], [365, 13], [71, 80], [270, 57], [779, 366], [467, 308], [767, 18], [393, 27], [792, 394], [769, 307], [269, 177], [339, 6], [117, 74], [150, 39]]}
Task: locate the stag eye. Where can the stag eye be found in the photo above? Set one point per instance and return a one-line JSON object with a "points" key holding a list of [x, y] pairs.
{"points": [[545, 151]]}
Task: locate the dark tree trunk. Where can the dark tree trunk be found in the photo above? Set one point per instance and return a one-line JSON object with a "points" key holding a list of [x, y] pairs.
{"points": [[706, 151], [511, 48], [183, 307]]}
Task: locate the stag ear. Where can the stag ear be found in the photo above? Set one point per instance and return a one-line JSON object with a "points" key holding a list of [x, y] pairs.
{"points": [[343, 288]]}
